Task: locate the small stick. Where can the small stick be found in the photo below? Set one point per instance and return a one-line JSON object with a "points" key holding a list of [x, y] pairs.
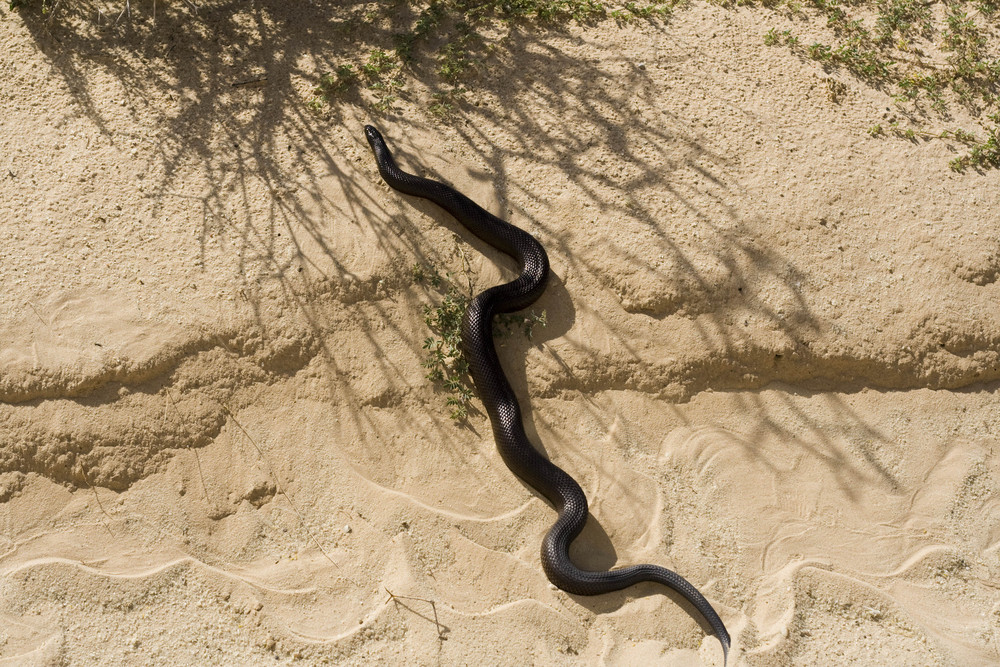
{"points": [[39, 315], [52, 14], [466, 267], [250, 82], [126, 10], [197, 458], [201, 474], [396, 600], [223, 343], [98, 498]]}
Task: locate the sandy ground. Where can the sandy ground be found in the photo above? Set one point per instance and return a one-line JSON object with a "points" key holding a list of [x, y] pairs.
{"points": [[772, 354]]}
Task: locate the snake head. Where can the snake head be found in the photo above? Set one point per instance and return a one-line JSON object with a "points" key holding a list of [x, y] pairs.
{"points": [[374, 137]]}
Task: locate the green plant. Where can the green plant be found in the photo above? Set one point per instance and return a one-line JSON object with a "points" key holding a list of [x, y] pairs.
{"points": [[379, 73], [819, 52], [378, 65], [963, 37], [429, 19], [509, 322], [445, 363], [836, 17], [773, 38], [332, 84], [455, 59], [901, 17], [963, 136], [987, 7], [984, 154], [863, 61], [635, 10], [443, 102], [890, 53], [460, 35], [893, 45]]}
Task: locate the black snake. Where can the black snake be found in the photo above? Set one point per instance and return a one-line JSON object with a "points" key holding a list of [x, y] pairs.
{"points": [[501, 404]]}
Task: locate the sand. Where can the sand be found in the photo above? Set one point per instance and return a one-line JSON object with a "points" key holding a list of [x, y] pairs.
{"points": [[771, 360]]}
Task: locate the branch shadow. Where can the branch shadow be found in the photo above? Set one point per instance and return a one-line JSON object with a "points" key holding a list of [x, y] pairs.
{"points": [[259, 169]]}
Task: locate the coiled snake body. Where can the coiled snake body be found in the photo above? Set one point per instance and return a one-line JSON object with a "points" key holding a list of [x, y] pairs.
{"points": [[501, 404]]}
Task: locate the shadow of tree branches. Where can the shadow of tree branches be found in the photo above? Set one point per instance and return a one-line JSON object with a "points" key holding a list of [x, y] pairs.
{"points": [[571, 146]]}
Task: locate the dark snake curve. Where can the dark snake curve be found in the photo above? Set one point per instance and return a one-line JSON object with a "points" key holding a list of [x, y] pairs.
{"points": [[501, 404]]}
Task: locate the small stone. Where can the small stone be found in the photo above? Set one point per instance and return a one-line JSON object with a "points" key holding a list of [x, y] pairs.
{"points": [[347, 529]]}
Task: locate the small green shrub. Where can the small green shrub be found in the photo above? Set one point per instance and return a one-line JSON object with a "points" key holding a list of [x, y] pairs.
{"points": [[984, 154], [446, 365]]}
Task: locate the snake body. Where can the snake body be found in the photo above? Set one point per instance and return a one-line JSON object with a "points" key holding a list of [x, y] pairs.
{"points": [[501, 404]]}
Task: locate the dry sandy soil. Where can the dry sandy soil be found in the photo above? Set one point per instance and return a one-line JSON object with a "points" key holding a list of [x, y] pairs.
{"points": [[772, 353]]}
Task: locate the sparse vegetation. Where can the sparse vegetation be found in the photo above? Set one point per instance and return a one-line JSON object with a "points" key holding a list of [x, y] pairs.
{"points": [[380, 73], [445, 363], [912, 134], [900, 19], [459, 37], [984, 154], [932, 58], [931, 65]]}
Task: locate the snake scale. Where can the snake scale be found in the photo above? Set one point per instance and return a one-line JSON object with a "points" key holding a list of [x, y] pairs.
{"points": [[501, 404]]}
